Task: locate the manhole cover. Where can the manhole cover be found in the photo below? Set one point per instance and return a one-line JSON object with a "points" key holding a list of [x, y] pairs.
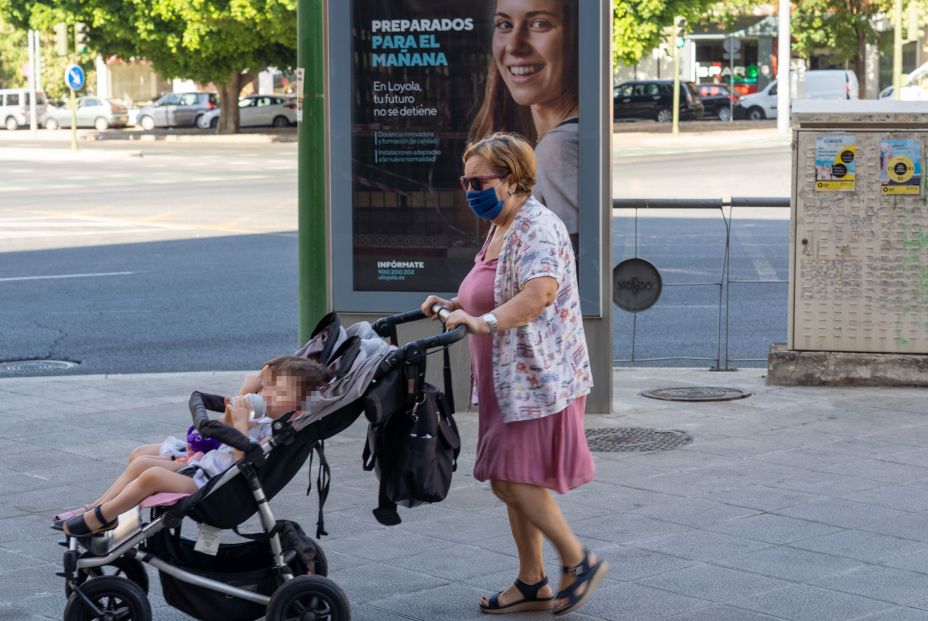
{"points": [[34, 366], [696, 393], [635, 439]]}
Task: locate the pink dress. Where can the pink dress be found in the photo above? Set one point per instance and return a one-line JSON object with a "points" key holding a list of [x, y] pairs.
{"points": [[549, 452]]}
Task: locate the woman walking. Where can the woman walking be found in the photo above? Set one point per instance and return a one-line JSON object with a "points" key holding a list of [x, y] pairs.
{"points": [[532, 371]]}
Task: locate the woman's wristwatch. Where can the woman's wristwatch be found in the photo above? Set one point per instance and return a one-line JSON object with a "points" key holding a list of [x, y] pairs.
{"points": [[490, 318]]}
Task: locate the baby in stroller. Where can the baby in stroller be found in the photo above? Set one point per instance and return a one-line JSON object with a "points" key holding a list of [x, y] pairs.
{"points": [[285, 383]]}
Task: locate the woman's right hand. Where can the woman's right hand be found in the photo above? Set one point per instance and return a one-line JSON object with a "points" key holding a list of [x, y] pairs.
{"points": [[431, 301]]}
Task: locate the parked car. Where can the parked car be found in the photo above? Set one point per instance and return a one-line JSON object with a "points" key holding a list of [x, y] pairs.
{"points": [[258, 110], [14, 107], [177, 110], [653, 99], [914, 86], [717, 100], [95, 112], [815, 84]]}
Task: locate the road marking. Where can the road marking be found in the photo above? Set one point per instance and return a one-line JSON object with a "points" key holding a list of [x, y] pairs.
{"points": [[765, 270], [56, 276]]}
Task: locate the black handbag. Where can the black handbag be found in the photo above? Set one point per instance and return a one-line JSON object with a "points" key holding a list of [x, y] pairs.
{"points": [[429, 452], [413, 448]]}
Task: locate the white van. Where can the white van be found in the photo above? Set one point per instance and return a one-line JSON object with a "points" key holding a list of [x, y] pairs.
{"points": [[816, 84], [14, 107]]}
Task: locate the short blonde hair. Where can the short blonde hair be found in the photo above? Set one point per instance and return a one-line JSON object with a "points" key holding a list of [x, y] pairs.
{"points": [[509, 155]]}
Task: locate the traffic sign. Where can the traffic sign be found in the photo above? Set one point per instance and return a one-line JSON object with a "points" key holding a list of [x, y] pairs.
{"points": [[732, 45], [74, 77]]}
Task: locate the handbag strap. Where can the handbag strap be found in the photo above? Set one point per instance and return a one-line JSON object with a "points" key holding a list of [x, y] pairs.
{"points": [[449, 388]]}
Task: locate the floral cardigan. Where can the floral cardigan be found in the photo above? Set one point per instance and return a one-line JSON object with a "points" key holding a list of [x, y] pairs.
{"points": [[539, 368]]}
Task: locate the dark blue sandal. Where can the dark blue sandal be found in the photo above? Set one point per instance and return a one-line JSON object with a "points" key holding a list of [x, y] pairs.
{"points": [[586, 574], [529, 602], [77, 525]]}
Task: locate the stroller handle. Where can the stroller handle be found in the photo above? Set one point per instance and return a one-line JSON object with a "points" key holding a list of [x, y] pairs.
{"points": [[386, 326]]}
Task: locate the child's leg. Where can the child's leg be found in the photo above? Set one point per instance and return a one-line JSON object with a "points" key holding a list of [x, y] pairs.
{"points": [[146, 450], [151, 481], [134, 470]]}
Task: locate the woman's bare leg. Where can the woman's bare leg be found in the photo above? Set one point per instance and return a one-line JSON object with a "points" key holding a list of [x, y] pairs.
{"points": [[529, 542], [538, 507]]}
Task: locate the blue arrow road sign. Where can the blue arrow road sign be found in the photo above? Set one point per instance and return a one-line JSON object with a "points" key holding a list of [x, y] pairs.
{"points": [[74, 77]]}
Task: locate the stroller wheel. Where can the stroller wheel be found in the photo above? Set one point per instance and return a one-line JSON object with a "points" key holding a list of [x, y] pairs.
{"points": [[123, 567], [309, 598], [113, 597]]}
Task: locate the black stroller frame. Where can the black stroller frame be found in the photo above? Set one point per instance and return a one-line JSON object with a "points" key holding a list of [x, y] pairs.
{"points": [[284, 578]]}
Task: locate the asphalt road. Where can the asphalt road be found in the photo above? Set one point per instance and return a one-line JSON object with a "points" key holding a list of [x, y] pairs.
{"points": [[179, 257]]}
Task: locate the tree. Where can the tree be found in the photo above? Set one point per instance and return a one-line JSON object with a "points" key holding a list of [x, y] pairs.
{"points": [[844, 27], [224, 42], [638, 25], [13, 55]]}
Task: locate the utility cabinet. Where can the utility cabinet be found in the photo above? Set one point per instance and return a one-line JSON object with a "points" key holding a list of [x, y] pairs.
{"points": [[859, 229]]}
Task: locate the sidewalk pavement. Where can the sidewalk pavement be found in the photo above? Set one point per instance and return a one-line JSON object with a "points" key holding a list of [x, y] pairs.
{"points": [[795, 503], [652, 144]]}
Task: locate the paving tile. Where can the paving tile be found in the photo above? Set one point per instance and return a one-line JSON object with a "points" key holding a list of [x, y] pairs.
{"points": [[624, 528], [791, 563], [631, 602], [884, 583], [826, 484], [456, 562], [772, 528], [450, 602], [716, 584], [702, 545], [899, 613], [761, 497], [902, 497], [377, 547], [911, 526], [862, 545], [694, 512], [837, 512], [913, 562], [366, 612], [806, 603], [631, 563], [881, 470], [376, 581], [722, 613]]}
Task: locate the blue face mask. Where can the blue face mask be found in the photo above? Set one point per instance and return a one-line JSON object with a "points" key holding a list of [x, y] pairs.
{"points": [[485, 203]]}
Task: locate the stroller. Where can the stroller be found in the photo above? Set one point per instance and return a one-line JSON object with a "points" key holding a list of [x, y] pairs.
{"points": [[280, 572]]}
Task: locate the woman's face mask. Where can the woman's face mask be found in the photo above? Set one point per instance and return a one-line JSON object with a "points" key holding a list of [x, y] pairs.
{"points": [[485, 203]]}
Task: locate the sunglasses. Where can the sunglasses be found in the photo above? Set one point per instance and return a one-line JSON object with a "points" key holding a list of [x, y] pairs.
{"points": [[476, 183]]}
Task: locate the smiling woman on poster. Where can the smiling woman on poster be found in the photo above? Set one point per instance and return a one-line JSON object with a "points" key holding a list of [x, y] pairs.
{"points": [[532, 89]]}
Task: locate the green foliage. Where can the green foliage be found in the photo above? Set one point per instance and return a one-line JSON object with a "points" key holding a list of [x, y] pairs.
{"points": [[638, 25], [223, 42], [836, 25], [13, 55]]}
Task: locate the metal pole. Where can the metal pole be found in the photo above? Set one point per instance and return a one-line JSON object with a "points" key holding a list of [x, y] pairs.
{"points": [[33, 35], [312, 236], [897, 50], [783, 54], [676, 86], [731, 79], [38, 62], [73, 105]]}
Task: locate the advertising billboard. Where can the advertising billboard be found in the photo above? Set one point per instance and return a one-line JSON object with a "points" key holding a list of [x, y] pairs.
{"points": [[413, 83]]}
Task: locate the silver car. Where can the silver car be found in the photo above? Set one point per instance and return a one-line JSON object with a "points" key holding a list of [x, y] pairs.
{"points": [[95, 112], [177, 110], [258, 110]]}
